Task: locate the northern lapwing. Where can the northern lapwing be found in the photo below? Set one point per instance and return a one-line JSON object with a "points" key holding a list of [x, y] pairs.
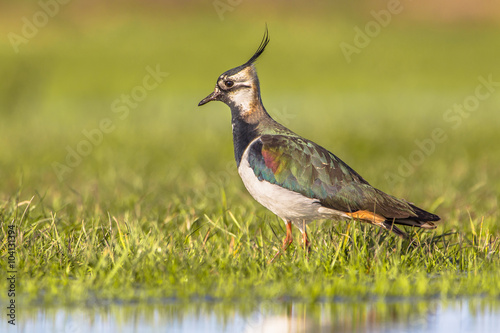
{"points": [[295, 178]]}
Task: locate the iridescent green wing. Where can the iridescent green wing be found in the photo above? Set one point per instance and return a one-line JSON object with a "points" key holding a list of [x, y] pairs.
{"points": [[302, 166]]}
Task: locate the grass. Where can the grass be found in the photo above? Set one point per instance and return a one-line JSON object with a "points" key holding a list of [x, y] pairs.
{"points": [[224, 256], [157, 211]]}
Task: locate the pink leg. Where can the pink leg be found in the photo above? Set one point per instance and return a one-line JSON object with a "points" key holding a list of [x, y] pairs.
{"points": [[286, 241]]}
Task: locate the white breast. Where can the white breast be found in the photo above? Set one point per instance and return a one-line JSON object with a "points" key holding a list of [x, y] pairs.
{"points": [[287, 204]]}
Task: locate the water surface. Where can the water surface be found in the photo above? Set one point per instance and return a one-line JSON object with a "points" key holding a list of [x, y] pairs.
{"points": [[404, 315]]}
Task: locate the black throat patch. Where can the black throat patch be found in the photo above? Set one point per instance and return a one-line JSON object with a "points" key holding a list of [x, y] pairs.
{"points": [[243, 134]]}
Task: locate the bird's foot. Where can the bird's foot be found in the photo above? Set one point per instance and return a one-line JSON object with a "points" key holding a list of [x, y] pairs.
{"points": [[286, 242], [306, 243]]}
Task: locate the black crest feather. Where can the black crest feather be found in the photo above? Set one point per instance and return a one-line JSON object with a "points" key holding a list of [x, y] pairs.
{"points": [[262, 46]]}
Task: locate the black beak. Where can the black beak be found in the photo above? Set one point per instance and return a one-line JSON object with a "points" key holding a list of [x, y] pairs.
{"points": [[212, 97]]}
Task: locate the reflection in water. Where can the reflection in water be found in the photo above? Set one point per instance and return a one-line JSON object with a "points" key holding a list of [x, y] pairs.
{"points": [[468, 315]]}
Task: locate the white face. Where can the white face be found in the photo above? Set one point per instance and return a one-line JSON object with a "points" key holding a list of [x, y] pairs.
{"points": [[243, 98], [240, 88]]}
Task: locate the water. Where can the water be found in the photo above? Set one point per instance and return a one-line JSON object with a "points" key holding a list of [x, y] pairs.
{"points": [[463, 315]]}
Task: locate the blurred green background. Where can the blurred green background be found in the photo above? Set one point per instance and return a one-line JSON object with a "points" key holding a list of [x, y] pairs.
{"points": [[64, 80]]}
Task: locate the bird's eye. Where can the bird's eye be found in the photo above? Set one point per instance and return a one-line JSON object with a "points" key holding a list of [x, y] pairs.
{"points": [[229, 83]]}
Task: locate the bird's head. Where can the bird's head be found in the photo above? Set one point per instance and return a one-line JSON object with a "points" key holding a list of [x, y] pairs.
{"points": [[239, 87]]}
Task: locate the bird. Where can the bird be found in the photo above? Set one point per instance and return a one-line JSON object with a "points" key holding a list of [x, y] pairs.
{"points": [[295, 178]]}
